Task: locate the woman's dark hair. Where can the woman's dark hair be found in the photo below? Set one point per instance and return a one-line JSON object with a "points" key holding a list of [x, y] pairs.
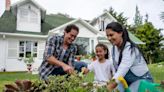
{"points": [[117, 27], [105, 49], [70, 27]]}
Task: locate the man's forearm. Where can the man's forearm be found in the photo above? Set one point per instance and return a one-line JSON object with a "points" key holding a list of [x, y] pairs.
{"points": [[52, 60]]}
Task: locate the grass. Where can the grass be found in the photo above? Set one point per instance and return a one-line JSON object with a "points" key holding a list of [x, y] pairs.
{"points": [[9, 77], [157, 71]]}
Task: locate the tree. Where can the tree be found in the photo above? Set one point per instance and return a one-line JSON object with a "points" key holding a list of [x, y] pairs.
{"points": [[137, 18], [119, 17], [162, 15], [151, 36]]}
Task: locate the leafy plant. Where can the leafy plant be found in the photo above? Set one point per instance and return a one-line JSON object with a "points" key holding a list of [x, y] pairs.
{"points": [[81, 49], [65, 83], [23, 86], [29, 60]]}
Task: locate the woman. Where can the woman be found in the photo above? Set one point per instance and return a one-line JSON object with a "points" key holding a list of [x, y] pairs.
{"points": [[128, 60]]}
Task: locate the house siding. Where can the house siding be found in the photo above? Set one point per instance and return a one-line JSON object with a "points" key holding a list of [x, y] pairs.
{"points": [[14, 63], [28, 23]]}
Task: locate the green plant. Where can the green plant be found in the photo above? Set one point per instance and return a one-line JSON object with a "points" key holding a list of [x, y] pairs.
{"points": [[23, 86], [29, 60], [81, 49], [93, 54], [66, 83]]}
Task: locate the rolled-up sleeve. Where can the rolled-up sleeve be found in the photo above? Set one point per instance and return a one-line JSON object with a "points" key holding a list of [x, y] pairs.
{"points": [[127, 61], [49, 48]]}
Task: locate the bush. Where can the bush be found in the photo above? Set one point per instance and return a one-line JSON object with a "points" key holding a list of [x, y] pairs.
{"points": [[66, 83]]}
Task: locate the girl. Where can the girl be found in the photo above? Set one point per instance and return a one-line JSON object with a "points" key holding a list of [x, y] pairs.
{"points": [[128, 60], [103, 68]]}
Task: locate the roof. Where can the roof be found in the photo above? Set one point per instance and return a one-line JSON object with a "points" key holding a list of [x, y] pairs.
{"points": [[57, 19], [8, 25], [105, 13], [94, 30], [135, 39]]}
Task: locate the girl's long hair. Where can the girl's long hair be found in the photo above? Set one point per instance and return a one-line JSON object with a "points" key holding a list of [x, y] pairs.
{"points": [[105, 49]]}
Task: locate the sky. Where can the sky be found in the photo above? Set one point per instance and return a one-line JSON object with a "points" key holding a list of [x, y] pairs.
{"points": [[89, 9]]}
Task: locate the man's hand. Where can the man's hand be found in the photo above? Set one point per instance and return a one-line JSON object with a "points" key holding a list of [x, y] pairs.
{"points": [[68, 69], [52, 60]]}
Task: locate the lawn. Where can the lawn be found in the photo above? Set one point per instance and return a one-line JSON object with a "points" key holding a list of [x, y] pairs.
{"points": [[9, 77]]}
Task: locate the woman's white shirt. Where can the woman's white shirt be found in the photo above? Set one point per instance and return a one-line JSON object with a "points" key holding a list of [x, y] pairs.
{"points": [[102, 71], [133, 61]]}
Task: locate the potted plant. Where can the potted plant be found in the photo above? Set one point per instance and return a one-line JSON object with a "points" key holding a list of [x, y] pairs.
{"points": [[93, 55], [29, 62]]}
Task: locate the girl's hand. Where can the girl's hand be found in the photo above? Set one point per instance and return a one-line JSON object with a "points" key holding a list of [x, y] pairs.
{"points": [[84, 70]]}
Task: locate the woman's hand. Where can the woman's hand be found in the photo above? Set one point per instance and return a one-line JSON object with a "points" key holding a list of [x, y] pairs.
{"points": [[111, 86]]}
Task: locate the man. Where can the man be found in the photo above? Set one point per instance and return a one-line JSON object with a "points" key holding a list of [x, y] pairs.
{"points": [[59, 53]]}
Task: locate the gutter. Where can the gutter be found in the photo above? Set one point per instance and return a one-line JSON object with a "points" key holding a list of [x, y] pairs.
{"points": [[22, 35]]}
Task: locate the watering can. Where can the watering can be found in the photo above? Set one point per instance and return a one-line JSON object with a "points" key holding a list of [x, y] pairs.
{"points": [[146, 86]]}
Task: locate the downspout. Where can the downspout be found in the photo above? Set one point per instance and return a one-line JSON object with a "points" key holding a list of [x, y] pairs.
{"points": [[4, 38]]}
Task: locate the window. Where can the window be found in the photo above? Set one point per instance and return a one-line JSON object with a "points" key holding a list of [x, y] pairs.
{"points": [[83, 42], [102, 25], [28, 49]]}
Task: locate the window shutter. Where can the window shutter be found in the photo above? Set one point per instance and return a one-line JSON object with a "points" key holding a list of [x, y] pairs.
{"points": [[12, 49]]}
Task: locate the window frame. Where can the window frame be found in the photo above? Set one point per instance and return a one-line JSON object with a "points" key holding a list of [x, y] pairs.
{"points": [[32, 47]]}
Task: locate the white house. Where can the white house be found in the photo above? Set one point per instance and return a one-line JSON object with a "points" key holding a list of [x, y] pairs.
{"points": [[22, 35], [24, 28], [101, 22], [87, 34]]}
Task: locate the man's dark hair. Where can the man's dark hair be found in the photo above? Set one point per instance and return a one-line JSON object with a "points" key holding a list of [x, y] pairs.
{"points": [[70, 27]]}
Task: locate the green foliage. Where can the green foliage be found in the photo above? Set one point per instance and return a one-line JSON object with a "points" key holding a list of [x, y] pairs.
{"points": [[81, 49], [65, 83], [93, 54], [119, 17], [29, 60], [9, 77], [137, 18], [151, 36], [162, 16]]}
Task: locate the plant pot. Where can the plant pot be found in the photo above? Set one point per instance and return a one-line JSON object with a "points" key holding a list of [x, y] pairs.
{"points": [[29, 67]]}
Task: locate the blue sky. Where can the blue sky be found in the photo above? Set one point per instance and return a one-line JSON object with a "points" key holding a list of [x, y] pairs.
{"points": [[89, 9]]}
